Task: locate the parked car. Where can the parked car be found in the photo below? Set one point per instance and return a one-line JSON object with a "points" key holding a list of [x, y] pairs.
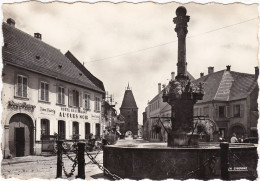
{"points": [[251, 140]]}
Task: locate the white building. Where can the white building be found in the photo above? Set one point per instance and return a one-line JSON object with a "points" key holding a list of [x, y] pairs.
{"points": [[44, 92]]}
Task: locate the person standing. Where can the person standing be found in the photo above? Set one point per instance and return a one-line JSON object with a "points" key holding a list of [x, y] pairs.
{"points": [[233, 138]]}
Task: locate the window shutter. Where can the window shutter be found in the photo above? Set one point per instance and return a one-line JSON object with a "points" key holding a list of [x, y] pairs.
{"points": [[57, 94], [25, 87], [242, 109], [16, 86], [70, 97], [228, 111], [46, 92], [63, 95], [80, 99], [19, 86], [39, 94], [216, 112], [232, 108], [88, 101]]}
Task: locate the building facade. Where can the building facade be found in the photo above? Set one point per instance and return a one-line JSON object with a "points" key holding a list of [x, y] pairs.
{"points": [[44, 93], [129, 111], [229, 102]]}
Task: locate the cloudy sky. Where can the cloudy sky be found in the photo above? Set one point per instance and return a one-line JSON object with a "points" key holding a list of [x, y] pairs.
{"points": [[136, 43]]}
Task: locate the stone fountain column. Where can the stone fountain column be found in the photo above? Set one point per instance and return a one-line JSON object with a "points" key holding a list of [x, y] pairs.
{"points": [[181, 94]]}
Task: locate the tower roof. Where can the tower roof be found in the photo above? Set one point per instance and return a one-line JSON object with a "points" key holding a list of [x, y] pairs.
{"points": [[129, 100]]}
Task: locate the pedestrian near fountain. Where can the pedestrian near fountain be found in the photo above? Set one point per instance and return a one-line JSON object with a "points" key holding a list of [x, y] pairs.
{"points": [[234, 138]]}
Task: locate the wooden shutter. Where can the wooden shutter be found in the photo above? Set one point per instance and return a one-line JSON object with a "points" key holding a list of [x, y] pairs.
{"points": [[46, 91], [80, 99], [25, 83], [70, 97], [242, 110], [228, 111]]}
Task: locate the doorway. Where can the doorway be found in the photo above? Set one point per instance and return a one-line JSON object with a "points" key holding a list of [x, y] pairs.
{"points": [[21, 135], [19, 142]]}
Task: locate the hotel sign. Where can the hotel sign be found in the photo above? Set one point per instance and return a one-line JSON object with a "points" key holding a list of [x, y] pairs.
{"points": [[73, 113]]}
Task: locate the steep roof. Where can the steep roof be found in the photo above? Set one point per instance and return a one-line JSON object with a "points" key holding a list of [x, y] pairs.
{"points": [[128, 100], [227, 85], [23, 50], [76, 62]]}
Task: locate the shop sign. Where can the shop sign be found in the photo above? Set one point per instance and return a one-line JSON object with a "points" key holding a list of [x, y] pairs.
{"points": [[73, 113], [24, 105], [47, 111], [97, 117]]}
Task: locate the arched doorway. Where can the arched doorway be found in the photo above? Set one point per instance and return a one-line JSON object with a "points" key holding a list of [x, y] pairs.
{"points": [[21, 135]]}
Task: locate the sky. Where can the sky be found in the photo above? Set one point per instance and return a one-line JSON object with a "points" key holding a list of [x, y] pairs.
{"points": [[136, 43]]}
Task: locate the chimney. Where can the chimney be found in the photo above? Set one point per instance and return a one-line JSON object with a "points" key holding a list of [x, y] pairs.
{"points": [[159, 88], [11, 22], [201, 74], [210, 70], [256, 72], [38, 36], [173, 75], [228, 67]]}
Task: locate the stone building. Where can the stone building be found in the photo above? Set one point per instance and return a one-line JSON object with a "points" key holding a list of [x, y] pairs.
{"points": [[230, 101], [129, 111], [44, 92]]}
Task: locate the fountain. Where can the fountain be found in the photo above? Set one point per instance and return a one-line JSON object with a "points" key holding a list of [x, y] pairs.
{"points": [[183, 157]]}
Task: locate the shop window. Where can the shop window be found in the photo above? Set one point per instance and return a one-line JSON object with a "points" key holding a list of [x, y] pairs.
{"points": [[236, 110], [221, 111], [87, 101], [97, 104], [21, 86], [75, 130], [45, 129], [61, 129], [87, 130], [44, 91], [61, 95]]}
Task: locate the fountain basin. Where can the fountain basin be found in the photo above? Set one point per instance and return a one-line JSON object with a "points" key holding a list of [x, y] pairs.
{"points": [[156, 161]]}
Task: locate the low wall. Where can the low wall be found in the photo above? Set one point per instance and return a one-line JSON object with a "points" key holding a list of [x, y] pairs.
{"points": [[178, 163]]}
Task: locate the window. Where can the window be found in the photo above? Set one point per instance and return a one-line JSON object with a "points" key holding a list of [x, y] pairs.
{"points": [[22, 84], [61, 95], [206, 111], [236, 110], [87, 101], [75, 130], [196, 110], [44, 91], [87, 130], [45, 129], [97, 104], [75, 98], [221, 111], [61, 130]]}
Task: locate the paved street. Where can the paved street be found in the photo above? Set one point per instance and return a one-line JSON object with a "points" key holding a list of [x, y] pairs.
{"points": [[44, 167]]}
